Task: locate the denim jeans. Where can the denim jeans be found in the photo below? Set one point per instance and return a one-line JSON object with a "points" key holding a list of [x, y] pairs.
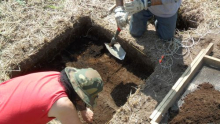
{"points": [[165, 27]]}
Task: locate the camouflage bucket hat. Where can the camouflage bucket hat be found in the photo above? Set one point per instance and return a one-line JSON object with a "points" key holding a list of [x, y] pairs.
{"points": [[86, 82]]}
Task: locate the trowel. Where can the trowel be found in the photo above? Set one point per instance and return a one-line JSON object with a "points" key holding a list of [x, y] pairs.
{"points": [[115, 48]]}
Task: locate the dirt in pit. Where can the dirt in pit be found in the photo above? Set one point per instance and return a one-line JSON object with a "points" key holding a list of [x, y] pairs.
{"points": [[200, 106], [120, 77]]}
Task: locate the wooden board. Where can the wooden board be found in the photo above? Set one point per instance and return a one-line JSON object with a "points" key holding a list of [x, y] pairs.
{"points": [[212, 61], [170, 98]]}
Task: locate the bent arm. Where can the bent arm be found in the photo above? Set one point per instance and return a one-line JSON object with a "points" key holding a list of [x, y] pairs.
{"points": [[119, 3], [153, 2], [64, 110], [86, 113], [156, 2], [169, 1]]}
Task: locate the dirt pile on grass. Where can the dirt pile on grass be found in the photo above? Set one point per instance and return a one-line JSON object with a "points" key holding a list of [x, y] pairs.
{"points": [[200, 106]]}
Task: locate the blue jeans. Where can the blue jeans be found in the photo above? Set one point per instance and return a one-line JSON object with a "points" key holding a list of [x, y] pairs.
{"points": [[165, 27]]}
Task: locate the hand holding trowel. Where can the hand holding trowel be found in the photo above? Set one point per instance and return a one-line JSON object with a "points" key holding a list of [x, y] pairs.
{"points": [[114, 47]]}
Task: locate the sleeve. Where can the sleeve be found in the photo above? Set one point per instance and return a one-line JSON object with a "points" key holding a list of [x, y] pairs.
{"points": [[169, 1]]}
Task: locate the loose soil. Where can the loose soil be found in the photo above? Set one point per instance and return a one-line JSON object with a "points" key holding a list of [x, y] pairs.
{"points": [[200, 106], [120, 77]]}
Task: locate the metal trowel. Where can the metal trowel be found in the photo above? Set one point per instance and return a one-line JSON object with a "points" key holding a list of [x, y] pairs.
{"points": [[115, 48]]}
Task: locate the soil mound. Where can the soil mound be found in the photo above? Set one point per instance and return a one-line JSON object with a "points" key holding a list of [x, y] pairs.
{"points": [[200, 106]]}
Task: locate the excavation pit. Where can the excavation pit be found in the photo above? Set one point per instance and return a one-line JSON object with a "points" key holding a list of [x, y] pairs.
{"points": [[86, 49]]}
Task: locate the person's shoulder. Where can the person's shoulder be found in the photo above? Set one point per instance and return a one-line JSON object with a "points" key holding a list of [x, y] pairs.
{"points": [[62, 105], [64, 102]]}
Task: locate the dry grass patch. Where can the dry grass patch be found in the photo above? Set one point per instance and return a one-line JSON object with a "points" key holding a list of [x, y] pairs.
{"points": [[25, 27]]}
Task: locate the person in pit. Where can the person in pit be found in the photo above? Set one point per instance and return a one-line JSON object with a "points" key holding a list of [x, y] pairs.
{"points": [[39, 97]]}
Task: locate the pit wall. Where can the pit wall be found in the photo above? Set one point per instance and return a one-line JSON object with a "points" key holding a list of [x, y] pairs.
{"points": [[55, 45], [83, 26]]}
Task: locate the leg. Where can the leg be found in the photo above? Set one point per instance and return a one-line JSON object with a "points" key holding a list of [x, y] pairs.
{"points": [[138, 23], [166, 27]]}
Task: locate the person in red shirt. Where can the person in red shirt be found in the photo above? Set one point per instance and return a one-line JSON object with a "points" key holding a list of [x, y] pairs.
{"points": [[40, 97]]}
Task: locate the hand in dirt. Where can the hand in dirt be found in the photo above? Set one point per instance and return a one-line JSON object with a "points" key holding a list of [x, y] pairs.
{"points": [[87, 115]]}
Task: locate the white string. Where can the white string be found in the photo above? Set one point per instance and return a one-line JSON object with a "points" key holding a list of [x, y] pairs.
{"points": [[170, 52]]}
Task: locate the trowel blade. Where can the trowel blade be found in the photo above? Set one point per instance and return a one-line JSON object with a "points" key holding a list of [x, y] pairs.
{"points": [[116, 50]]}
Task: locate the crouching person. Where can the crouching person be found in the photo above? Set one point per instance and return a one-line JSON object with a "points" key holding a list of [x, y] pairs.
{"points": [[40, 97]]}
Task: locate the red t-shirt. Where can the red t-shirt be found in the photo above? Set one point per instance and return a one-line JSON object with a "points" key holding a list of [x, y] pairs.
{"points": [[28, 99]]}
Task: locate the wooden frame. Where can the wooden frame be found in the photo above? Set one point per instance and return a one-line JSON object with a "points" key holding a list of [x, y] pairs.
{"points": [[212, 61], [178, 87]]}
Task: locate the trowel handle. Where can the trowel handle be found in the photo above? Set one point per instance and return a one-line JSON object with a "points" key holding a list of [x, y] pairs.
{"points": [[117, 33], [113, 41]]}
